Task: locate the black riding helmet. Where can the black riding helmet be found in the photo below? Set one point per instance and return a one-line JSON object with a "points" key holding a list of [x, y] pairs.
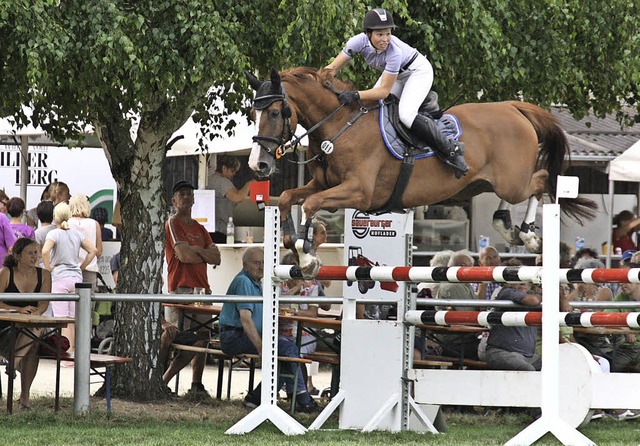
{"points": [[377, 18]]}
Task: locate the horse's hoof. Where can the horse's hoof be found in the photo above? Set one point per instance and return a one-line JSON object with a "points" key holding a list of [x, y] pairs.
{"points": [[310, 270], [532, 242]]}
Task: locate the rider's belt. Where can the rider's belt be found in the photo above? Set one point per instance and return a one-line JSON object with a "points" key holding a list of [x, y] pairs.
{"points": [[406, 66]]}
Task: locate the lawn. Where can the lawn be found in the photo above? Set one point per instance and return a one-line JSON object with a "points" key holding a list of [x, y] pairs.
{"points": [[184, 422]]}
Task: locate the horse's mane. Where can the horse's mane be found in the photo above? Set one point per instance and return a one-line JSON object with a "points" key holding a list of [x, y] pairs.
{"points": [[304, 74]]}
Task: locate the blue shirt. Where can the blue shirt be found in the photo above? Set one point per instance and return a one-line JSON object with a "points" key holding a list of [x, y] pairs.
{"points": [[242, 285]]}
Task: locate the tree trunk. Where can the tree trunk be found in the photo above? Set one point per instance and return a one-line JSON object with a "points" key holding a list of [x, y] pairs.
{"points": [[138, 170]]}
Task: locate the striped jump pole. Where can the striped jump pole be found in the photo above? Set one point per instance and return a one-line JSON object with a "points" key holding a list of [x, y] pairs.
{"points": [[521, 318], [460, 274]]}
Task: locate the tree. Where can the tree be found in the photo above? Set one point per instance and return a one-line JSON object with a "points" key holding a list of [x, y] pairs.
{"points": [[117, 63]]}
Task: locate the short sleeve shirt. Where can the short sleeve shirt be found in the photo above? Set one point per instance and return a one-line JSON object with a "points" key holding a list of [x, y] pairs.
{"points": [[242, 285], [224, 206], [189, 275], [391, 60]]}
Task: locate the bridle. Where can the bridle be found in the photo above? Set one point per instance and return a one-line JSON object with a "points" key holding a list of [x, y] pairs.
{"points": [[291, 143]]}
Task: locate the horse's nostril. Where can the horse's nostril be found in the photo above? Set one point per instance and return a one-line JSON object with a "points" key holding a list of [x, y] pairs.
{"points": [[263, 167]]}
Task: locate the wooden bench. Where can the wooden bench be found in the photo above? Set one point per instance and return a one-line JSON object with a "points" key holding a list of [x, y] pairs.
{"points": [[221, 357], [430, 364], [473, 364], [99, 361], [332, 359]]}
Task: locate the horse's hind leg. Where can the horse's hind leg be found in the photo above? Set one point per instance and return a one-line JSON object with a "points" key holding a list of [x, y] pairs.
{"points": [[502, 223], [530, 239]]}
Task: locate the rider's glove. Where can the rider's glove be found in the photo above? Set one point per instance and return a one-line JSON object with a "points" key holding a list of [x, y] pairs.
{"points": [[347, 97]]}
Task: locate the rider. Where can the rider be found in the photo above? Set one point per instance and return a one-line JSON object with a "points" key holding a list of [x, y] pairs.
{"points": [[406, 73]]}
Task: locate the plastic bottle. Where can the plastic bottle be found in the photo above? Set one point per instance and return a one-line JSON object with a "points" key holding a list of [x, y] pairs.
{"points": [[483, 242], [579, 243], [231, 232]]}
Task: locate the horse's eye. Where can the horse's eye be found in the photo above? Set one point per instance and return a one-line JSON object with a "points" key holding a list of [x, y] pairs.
{"points": [[274, 114]]}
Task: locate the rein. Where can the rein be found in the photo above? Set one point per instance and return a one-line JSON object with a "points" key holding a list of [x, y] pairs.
{"points": [[326, 147]]}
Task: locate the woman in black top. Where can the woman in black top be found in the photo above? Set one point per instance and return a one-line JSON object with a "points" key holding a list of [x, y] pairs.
{"points": [[20, 275]]}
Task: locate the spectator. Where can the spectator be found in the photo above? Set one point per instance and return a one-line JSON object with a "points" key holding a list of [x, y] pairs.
{"points": [[565, 255], [32, 214], [241, 329], [101, 215], [487, 257], [115, 267], [513, 348], [61, 254], [59, 193], [15, 207], [463, 345], [626, 257], [227, 196], [44, 211], [288, 330], [626, 347], [4, 201], [585, 253], [626, 225], [21, 275], [440, 258], [90, 229], [7, 237], [188, 250]]}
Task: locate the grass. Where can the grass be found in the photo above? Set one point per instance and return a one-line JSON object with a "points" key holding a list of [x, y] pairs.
{"points": [[184, 422]]}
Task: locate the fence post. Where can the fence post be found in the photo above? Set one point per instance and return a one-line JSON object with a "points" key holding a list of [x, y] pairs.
{"points": [[82, 366]]}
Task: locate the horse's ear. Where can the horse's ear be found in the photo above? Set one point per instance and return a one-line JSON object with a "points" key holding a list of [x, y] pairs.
{"points": [[253, 81], [275, 79]]}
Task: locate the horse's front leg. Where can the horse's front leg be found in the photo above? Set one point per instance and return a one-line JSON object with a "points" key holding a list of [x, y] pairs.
{"points": [[287, 199], [345, 195]]}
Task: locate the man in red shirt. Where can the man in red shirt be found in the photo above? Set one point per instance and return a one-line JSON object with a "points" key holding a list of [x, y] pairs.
{"points": [[188, 250]]}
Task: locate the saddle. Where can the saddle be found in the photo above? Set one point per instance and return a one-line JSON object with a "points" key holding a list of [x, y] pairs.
{"points": [[406, 147], [399, 140]]}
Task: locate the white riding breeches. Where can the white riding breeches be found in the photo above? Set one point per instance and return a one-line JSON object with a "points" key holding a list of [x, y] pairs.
{"points": [[412, 87]]}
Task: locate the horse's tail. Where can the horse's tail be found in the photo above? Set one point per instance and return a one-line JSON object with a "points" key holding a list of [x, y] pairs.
{"points": [[555, 157]]}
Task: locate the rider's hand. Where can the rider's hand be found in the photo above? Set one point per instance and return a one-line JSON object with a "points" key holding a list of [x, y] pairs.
{"points": [[347, 97]]}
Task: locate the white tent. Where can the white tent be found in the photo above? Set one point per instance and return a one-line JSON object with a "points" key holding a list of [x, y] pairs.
{"points": [[625, 167], [190, 133]]}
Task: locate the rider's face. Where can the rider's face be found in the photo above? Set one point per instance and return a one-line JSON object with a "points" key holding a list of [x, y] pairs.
{"points": [[380, 38]]}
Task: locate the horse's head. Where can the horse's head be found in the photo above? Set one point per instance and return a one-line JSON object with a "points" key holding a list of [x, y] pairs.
{"points": [[275, 120]]}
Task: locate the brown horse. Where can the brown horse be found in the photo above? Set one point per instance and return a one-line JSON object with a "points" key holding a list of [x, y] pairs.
{"points": [[514, 149]]}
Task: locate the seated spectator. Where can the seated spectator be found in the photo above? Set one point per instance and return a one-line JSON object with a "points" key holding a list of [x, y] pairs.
{"points": [[101, 215], [487, 257], [289, 330], [440, 258], [16, 207], [584, 253], [513, 348], [459, 344], [623, 235], [21, 275], [7, 237], [241, 330], [626, 350]]}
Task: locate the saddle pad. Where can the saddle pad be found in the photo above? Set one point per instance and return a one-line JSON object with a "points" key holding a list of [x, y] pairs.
{"points": [[448, 124]]}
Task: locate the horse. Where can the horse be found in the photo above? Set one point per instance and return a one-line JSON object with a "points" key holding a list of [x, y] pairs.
{"points": [[515, 149]]}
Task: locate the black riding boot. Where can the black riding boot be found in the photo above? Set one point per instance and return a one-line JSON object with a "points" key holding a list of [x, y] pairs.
{"points": [[449, 151]]}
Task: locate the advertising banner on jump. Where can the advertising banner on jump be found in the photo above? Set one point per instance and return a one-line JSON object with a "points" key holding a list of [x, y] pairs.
{"points": [[376, 240]]}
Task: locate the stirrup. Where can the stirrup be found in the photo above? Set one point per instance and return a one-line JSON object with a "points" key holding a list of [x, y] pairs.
{"points": [[457, 170]]}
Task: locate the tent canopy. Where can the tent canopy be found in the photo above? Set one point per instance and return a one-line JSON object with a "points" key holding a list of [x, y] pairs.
{"points": [[626, 167]]}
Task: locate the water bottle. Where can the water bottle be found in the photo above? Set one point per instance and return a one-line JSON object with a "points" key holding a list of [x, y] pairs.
{"points": [[231, 231], [579, 243], [483, 242]]}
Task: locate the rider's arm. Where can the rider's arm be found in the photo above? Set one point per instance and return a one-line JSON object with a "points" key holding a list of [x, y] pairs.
{"points": [[340, 61], [380, 91]]}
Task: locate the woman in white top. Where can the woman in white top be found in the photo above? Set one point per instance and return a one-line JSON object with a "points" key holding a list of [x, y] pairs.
{"points": [[60, 254], [90, 228]]}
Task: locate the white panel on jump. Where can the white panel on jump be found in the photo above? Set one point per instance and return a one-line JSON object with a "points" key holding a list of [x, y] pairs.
{"points": [[370, 372], [616, 391], [513, 389]]}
